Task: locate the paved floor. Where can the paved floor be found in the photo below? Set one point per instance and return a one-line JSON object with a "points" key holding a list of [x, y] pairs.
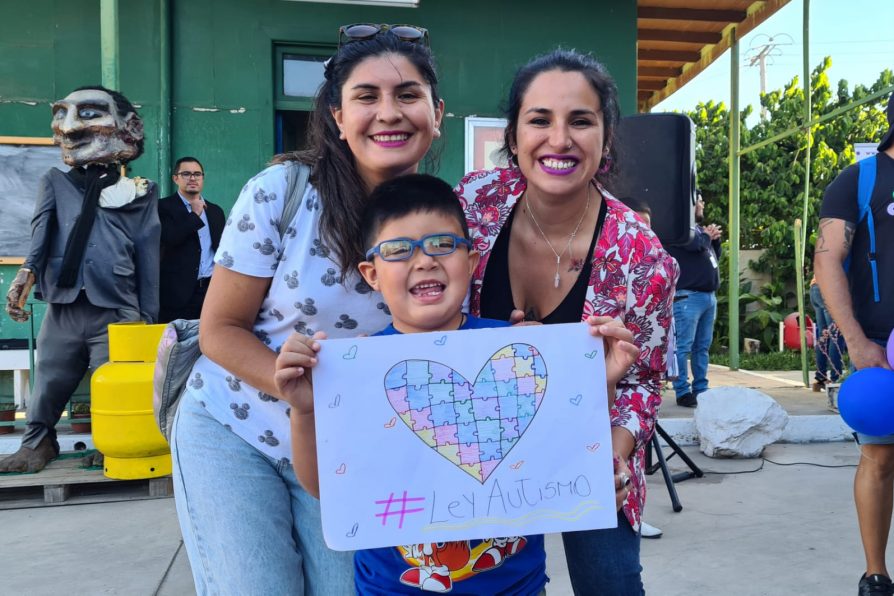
{"points": [[781, 530], [786, 387]]}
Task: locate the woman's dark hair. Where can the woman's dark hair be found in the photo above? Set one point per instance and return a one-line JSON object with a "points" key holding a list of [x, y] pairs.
{"points": [[567, 61], [638, 205], [334, 173]]}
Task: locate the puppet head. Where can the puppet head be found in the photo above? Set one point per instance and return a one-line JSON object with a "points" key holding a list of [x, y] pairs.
{"points": [[95, 125]]}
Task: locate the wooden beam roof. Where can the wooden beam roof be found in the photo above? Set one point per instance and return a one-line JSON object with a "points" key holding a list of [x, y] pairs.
{"points": [[678, 39]]}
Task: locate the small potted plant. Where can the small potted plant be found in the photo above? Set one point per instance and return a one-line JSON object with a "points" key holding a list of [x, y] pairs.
{"points": [[79, 415], [7, 414], [7, 404]]}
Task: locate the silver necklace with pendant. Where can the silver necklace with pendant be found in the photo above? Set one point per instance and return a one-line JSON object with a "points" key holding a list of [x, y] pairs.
{"points": [[559, 255]]}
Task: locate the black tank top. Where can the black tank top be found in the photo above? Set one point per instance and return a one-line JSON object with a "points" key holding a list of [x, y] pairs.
{"points": [[496, 291]]}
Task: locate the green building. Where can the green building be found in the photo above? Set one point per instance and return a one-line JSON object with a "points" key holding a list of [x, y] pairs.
{"points": [[243, 72], [231, 81]]}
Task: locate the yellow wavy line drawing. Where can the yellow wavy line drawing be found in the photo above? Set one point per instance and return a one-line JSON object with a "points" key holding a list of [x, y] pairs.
{"points": [[578, 512]]}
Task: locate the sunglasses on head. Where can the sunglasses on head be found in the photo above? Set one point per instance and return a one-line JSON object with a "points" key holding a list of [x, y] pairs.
{"points": [[362, 31]]}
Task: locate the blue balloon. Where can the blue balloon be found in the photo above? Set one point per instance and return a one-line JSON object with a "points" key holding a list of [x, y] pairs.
{"points": [[866, 401]]}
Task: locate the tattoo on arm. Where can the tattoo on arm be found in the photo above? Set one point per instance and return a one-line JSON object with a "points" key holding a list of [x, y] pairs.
{"points": [[820, 238], [849, 229], [531, 315]]}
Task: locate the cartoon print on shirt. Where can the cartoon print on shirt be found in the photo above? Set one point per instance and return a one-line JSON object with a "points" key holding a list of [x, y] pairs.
{"points": [[434, 567]]}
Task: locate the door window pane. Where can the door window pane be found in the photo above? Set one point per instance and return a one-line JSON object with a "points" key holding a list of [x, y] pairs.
{"points": [[302, 75]]}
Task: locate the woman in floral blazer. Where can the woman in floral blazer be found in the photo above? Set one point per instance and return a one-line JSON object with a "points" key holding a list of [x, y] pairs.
{"points": [[551, 207]]}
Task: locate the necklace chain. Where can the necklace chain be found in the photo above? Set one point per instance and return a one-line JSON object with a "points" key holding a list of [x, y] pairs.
{"points": [[559, 255]]}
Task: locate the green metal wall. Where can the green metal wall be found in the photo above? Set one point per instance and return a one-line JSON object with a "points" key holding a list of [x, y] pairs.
{"points": [[223, 67]]}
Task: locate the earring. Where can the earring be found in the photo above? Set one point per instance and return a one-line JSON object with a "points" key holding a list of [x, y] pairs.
{"points": [[606, 165], [437, 133], [341, 135]]}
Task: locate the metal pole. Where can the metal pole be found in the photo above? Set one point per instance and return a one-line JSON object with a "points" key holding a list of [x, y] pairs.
{"points": [[108, 32], [164, 100], [734, 158], [808, 116], [801, 230], [799, 279]]}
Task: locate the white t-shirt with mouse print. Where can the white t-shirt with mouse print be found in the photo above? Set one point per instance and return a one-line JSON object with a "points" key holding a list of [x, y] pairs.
{"points": [[305, 295]]}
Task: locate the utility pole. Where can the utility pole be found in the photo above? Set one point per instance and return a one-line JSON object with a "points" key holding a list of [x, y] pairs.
{"points": [[766, 51]]}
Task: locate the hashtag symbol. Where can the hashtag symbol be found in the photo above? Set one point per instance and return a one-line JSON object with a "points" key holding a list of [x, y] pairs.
{"points": [[402, 512]]}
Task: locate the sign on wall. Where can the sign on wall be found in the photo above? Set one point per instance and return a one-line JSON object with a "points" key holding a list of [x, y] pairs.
{"points": [[864, 150], [436, 437], [484, 139], [23, 161]]}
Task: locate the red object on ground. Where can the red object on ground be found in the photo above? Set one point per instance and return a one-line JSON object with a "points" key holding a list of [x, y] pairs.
{"points": [[791, 332]]}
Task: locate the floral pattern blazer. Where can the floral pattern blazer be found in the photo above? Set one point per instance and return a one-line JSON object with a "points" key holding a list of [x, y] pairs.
{"points": [[632, 279]]}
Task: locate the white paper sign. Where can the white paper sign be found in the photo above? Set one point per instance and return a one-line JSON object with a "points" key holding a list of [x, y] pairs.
{"points": [[864, 150], [475, 434]]}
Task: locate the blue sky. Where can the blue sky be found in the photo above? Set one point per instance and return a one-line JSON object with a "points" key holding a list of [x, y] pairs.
{"points": [[857, 34]]}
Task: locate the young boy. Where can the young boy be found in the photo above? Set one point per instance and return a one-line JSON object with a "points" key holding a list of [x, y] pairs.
{"points": [[421, 260]]}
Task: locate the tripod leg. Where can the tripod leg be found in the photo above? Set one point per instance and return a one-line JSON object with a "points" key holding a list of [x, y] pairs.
{"points": [[696, 471], [668, 479]]}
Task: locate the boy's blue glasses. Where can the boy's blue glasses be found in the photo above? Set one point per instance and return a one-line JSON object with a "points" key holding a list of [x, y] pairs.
{"points": [[401, 249]]}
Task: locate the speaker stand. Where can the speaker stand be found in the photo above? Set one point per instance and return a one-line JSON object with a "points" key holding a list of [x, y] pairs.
{"points": [[670, 479]]}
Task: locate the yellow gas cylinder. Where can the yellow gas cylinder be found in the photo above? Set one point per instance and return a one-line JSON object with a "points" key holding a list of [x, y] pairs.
{"points": [[124, 428]]}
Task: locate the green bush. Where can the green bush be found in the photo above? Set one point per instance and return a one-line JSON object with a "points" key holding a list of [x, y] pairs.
{"points": [[787, 360]]}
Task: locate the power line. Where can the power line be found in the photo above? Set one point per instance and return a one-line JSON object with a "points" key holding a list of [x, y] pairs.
{"points": [[764, 52]]}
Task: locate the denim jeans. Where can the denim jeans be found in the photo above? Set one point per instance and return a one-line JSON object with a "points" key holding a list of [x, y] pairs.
{"points": [[604, 562], [694, 320], [248, 526], [828, 352]]}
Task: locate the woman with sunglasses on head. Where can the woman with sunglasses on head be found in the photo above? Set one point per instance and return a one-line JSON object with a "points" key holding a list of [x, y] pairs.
{"points": [[248, 526], [556, 247]]}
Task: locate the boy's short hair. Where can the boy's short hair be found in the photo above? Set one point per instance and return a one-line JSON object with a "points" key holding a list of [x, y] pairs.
{"points": [[637, 205], [405, 195]]}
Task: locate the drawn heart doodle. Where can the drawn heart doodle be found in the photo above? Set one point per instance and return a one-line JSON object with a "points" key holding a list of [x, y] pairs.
{"points": [[473, 425]]}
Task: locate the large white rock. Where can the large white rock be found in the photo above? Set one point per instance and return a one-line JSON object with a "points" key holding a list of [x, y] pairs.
{"points": [[737, 422]]}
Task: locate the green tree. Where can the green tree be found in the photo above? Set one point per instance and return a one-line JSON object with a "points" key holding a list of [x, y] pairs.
{"points": [[772, 177]]}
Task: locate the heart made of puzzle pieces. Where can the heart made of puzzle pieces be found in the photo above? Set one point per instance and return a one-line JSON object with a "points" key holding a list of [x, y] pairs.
{"points": [[474, 425]]}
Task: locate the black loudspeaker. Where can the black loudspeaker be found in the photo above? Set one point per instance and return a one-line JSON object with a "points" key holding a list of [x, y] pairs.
{"points": [[656, 164]]}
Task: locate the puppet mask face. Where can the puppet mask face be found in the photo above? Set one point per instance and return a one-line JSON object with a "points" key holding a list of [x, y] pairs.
{"points": [[88, 128]]}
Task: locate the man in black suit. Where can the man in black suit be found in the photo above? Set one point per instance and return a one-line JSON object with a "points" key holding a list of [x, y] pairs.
{"points": [[190, 232]]}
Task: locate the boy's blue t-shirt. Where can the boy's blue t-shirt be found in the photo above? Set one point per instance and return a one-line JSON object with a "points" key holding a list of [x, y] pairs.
{"points": [[514, 566]]}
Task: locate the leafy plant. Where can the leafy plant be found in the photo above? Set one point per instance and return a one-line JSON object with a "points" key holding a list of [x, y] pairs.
{"points": [[772, 177], [786, 360], [80, 409]]}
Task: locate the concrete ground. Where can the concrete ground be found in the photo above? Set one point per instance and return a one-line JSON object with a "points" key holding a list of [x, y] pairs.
{"points": [[781, 530]]}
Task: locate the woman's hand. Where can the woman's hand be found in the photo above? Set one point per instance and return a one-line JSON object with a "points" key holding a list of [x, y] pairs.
{"points": [[292, 374], [622, 481], [620, 351]]}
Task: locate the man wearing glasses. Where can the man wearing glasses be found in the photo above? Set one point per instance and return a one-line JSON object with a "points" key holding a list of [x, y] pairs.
{"points": [[190, 231]]}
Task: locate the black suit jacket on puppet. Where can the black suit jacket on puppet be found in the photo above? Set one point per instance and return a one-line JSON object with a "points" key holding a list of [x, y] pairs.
{"points": [[181, 252]]}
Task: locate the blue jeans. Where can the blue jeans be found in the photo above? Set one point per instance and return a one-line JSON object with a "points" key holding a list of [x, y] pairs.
{"points": [[604, 562], [828, 352], [248, 526], [694, 318]]}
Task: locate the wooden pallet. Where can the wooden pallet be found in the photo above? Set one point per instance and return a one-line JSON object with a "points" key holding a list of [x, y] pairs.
{"points": [[65, 480]]}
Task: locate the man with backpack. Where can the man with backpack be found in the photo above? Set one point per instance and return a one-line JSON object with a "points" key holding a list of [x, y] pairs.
{"points": [[854, 265]]}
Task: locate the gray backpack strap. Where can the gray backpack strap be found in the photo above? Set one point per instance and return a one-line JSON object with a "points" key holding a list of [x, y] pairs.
{"points": [[298, 174]]}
